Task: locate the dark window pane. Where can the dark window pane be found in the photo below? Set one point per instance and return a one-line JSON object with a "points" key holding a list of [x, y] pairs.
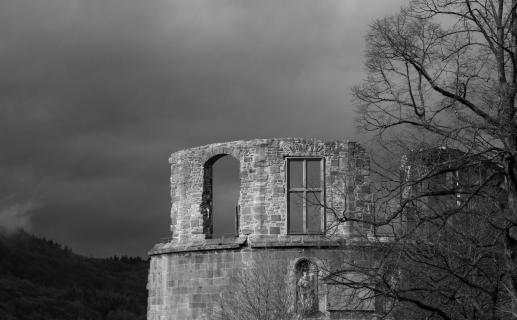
{"points": [[314, 208], [296, 212], [313, 173], [295, 173]]}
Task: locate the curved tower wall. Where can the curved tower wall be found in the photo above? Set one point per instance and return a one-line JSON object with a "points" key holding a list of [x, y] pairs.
{"points": [[188, 272], [262, 200]]}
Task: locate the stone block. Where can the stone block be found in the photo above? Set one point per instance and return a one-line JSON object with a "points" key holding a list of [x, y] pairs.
{"points": [[274, 230]]}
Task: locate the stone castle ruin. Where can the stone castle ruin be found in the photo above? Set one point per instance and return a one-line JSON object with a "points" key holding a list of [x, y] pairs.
{"points": [[292, 193]]}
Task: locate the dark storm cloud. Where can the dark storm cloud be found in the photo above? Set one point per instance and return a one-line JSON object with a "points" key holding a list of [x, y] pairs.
{"points": [[95, 94]]}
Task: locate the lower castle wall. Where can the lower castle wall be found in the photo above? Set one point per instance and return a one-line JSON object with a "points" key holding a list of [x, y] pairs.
{"points": [[184, 283]]}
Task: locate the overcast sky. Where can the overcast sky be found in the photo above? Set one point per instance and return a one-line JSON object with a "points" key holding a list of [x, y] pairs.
{"points": [[96, 94]]}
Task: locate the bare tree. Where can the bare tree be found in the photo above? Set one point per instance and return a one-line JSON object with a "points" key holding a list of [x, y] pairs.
{"points": [[440, 94], [259, 291]]}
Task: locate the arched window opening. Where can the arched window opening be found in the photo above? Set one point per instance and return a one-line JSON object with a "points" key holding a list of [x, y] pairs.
{"points": [[220, 197]]}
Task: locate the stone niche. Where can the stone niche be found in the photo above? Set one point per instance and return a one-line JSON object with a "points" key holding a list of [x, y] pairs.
{"points": [[292, 193]]}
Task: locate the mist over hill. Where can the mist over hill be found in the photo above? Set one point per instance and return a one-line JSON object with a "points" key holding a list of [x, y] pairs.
{"points": [[41, 279]]}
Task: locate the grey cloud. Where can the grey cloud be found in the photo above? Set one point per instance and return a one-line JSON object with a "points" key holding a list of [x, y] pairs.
{"points": [[95, 94]]}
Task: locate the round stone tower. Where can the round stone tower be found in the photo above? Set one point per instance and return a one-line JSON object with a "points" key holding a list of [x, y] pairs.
{"points": [[293, 194]]}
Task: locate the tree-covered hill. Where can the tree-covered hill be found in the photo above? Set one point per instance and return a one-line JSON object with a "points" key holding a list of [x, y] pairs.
{"points": [[40, 279]]}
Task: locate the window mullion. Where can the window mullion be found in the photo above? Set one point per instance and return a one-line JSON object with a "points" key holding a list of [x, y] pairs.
{"points": [[304, 182], [304, 215], [322, 196]]}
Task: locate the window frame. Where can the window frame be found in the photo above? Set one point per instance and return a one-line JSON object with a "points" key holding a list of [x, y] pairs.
{"points": [[356, 299], [305, 190]]}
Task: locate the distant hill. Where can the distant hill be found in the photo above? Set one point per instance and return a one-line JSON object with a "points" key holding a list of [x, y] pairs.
{"points": [[40, 279]]}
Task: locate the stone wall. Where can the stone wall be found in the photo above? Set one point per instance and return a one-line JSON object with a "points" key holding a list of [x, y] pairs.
{"points": [[186, 282], [262, 199]]}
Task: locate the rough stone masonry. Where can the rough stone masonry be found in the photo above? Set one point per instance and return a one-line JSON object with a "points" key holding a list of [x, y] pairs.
{"points": [[277, 216]]}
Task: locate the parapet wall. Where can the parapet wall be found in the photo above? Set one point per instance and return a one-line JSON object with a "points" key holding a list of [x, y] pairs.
{"points": [[262, 200]]}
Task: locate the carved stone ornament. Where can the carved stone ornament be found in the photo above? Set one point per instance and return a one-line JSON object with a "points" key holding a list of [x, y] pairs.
{"points": [[302, 148], [306, 289]]}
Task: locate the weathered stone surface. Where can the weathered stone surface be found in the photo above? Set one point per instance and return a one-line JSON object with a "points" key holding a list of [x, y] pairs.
{"points": [[188, 272]]}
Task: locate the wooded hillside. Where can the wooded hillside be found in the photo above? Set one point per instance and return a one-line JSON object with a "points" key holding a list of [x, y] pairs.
{"points": [[40, 279]]}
